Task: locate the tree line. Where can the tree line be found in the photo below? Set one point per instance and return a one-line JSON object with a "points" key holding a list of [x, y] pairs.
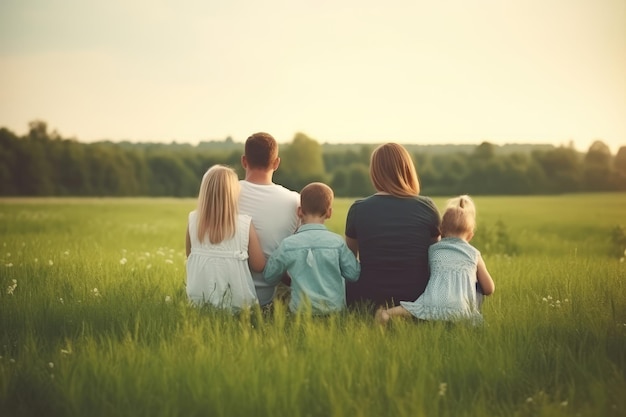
{"points": [[43, 163]]}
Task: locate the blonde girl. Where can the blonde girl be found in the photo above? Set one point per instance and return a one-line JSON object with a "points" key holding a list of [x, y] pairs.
{"points": [[221, 245], [455, 269]]}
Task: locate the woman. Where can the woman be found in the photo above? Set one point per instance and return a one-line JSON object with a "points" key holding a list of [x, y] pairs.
{"points": [[390, 231]]}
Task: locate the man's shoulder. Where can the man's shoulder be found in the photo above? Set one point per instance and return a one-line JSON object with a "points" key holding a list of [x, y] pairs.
{"points": [[270, 189]]}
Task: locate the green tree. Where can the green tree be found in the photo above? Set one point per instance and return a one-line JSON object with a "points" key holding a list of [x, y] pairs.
{"points": [[619, 163], [301, 163], [597, 172]]}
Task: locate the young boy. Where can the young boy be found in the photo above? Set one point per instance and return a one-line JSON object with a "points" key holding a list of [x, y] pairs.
{"points": [[317, 259]]}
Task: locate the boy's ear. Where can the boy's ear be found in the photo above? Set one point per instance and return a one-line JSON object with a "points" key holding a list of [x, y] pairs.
{"points": [[329, 212], [299, 212]]}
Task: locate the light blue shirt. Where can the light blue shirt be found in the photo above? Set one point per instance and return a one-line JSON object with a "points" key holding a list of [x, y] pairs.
{"points": [[318, 262]]}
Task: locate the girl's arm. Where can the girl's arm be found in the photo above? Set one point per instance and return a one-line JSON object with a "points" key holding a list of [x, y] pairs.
{"points": [[187, 243], [484, 278], [256, 258], [353, 245]]}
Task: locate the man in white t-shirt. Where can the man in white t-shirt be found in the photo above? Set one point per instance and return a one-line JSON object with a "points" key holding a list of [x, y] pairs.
{"points": [[273, 208]]}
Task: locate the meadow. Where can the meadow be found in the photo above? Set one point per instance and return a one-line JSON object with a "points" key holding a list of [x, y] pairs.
{"points": [[94, 321]]}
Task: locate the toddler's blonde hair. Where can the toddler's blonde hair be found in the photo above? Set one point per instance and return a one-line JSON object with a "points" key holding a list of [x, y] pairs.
{"points": [[459, 217]]}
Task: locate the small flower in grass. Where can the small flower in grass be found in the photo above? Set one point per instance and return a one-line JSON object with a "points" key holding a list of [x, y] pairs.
{"points": [[564, 403], [12, 360], [169, 261], [11, 288], [61, 300], [66, 352], [50, 365], [66, 253], [529, 400], [442, 389], [95, 292], [168, 299], [36, 260], [545, 300], [50, 262], [123, 261], [148, 266], [9, 265]]}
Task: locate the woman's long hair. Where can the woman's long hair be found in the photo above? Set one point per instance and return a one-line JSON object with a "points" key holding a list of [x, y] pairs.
{"points": [[392, 171], [218, 204]]}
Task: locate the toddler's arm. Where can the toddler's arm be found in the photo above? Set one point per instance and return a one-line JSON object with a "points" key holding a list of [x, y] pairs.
{"points": [[484, 278]]}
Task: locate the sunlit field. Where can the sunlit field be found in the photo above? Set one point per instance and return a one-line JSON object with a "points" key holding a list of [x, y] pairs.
{"points": [[94, 321]]}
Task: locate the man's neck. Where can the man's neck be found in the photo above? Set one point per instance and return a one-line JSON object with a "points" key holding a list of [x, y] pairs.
{"points": [[259, 176]]}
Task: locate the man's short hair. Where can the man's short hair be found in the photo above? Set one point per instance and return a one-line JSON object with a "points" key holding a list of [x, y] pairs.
{"points": [[261, 150]]}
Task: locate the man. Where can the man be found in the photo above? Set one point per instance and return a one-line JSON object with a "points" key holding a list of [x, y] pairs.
{"points": [[273, 208]]}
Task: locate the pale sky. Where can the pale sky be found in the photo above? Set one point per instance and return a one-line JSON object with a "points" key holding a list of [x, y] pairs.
{"points": [[410, 71]]}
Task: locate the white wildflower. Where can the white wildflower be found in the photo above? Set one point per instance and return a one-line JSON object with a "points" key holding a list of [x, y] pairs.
{"points": [[50, 365], [66, 352], [529, 399], [66, 253], [168, 299], [123, 261], [50, 262], [442, 389], [169, 261], [36, 260], [9, 265], [564, 404], [148, 266], [11, 288], [95, 292], [545, 300], [61, 300]]}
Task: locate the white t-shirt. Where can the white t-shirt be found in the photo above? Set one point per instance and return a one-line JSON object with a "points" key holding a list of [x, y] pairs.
{"points": [[273, 209]]}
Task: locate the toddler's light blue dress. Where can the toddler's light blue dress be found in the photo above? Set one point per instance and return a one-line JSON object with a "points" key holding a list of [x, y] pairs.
{"points": [[451, 291]]}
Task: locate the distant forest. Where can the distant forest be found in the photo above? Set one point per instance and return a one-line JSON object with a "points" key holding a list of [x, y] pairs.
{"points": [[42, 163]]}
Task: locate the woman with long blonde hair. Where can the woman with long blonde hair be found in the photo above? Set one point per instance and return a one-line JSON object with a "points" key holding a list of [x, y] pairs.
{"points": [[391, 231], [221, 245]]}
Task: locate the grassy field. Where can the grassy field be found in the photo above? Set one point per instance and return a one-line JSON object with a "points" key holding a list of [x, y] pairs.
{"points": [[94, 322]]}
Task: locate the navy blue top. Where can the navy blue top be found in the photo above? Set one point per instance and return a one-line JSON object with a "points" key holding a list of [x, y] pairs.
{"points": [[394, 235]]}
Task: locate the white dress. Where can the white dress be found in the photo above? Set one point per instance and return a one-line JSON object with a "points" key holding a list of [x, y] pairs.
{"points": [[219, 274], [451, 291]]}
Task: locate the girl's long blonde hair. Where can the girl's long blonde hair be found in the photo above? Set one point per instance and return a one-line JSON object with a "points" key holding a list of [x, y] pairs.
{"points": [[218, 204], [392, 171]]}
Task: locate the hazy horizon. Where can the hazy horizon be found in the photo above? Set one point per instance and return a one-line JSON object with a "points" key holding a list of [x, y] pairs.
{"points": [[457, 72]]}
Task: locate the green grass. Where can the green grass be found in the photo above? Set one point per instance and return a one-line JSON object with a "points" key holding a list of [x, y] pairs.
{"points": [[99, 324]]}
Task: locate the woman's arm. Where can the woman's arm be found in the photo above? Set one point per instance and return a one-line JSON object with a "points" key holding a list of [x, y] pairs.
{"points": [[484, 278], [353, 245], [256, 258]]}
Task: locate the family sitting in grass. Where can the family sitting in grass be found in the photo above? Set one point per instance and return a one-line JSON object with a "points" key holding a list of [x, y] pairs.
{"points": [[399, 257]]}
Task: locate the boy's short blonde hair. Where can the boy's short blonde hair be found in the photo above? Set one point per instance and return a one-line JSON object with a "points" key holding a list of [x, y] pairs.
{"points": [[316, 199]]}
